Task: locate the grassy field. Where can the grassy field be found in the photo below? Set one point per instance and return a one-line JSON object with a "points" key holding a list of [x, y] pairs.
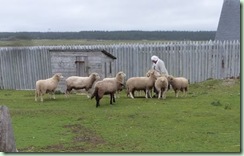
{"points": [[207, 120], [46, 42]]}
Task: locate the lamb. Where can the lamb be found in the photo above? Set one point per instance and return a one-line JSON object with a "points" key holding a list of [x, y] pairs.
{"points": [[122, 81], [77, 82], [178, 83], [47, 86], [109, 86], [141, 83], [161, 86]]}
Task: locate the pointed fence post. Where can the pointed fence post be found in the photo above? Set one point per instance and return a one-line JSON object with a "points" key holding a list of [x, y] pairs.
{"points": [[7, 141]]}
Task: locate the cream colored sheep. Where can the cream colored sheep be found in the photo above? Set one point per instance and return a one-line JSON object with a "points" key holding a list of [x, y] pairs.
{"points": [[119, 74], [77, 82], [161, 85], [47, 86], [140, 83], [178, 83], [156, 73], [109, 86]]}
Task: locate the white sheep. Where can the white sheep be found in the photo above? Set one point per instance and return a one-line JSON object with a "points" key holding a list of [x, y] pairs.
{"points": [[122, 75], [109, 86], [47, 86], [178, 83], [156, 73], [161, 86], [140, 83], [77, 82]]}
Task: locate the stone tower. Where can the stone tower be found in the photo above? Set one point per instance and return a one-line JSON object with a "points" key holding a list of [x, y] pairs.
{"points": [[229, 22]]}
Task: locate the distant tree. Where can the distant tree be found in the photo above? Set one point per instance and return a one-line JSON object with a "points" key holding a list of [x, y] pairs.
{"points": [[113, 35]]}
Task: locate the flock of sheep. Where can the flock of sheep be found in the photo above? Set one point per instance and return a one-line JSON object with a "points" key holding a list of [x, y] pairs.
{"points": [[112, 86]]}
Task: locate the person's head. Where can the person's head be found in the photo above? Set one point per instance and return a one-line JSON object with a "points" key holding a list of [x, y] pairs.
{"points": [[154, 59]]}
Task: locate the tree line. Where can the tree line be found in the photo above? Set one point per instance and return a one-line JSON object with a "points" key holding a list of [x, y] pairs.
{"points": [[112, 35]]}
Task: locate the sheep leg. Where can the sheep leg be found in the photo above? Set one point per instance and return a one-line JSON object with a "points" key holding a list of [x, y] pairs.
{"points": [[112, 98], [176, 93], [36, 94], [87, 95], [97, 101], [97, 104], [159, 94], [52, 95], [131, 95], [164, 93], [41, 97], [67, 93], [183, 92], [68, 90], [146, 94], [150, 93]]}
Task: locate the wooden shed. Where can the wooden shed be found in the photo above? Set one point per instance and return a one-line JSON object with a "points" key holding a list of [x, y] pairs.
{"points": [[21, 67], [81, 63]]}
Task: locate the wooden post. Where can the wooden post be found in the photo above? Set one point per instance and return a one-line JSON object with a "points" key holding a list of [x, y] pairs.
{"points": [[7, 141]]}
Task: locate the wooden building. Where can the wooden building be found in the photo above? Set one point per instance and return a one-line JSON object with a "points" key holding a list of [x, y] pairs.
{"points": [[21, 67], [81, 63]]}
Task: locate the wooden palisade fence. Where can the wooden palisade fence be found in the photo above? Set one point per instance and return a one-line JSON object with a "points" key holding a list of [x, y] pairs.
{"points": [[20, 67], [7, 141]]}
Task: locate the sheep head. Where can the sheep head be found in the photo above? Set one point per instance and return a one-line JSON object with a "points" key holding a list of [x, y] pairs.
{"points": [[170, 78], [58, 76], [152, 75], [120, 77], [95, 76], [156, 73], [149, 72]]}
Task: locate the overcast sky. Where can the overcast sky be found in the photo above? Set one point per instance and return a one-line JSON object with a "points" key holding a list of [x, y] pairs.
{"points": [[109, 15]]}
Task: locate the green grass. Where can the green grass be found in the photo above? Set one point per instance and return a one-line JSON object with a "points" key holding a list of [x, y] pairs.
{"points": [[207, 120]]}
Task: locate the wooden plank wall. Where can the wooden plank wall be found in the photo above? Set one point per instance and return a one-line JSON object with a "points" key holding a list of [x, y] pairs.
{"points": [[22, 67], [195, 60]]}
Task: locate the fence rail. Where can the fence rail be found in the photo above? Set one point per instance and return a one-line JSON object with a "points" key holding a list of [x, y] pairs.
{"points": [[196, 60]]}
